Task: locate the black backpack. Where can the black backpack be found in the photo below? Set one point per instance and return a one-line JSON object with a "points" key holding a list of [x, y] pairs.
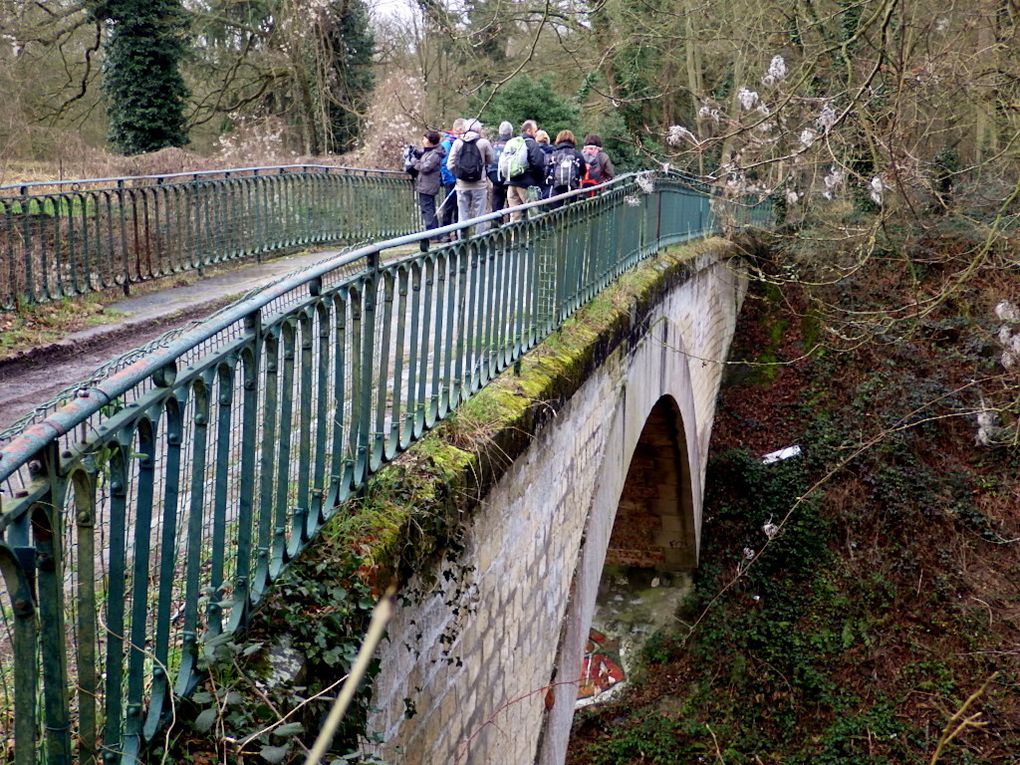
{"points": [[469, 162], [565, 170]]}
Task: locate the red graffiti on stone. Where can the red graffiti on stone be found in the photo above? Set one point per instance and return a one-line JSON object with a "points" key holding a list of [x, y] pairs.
{"points": [[600, 667]]}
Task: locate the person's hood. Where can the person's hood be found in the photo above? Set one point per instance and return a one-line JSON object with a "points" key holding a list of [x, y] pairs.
{"points": [[566, 145], [472, 130]]}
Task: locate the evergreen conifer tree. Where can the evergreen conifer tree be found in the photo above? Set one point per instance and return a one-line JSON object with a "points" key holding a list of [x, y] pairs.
{"points": [[352, 44], [141, 76]]}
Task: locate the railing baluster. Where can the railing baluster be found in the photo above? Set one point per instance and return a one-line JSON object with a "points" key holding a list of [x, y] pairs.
{"points": [[266, 463], [382, 383], [114, 460], [188, 674], [224, 463], [413, 406], [364, 404], [445, 331], [84, 483], [320, 484], [339, 474], [489, 263], [125, 267], [246, 493], [28, 250], [460, 340], [305, 392], [508, 299], [144, 456], [160, 693], [283, 499], [424, 411], [396, 416], [46, 533], [17, 562]]}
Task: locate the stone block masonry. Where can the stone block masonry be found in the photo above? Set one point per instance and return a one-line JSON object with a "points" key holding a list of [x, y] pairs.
{"points": [[488, 659]]}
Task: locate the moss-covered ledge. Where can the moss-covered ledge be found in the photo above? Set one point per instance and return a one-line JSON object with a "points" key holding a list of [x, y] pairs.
{"points": [[413, 511]]}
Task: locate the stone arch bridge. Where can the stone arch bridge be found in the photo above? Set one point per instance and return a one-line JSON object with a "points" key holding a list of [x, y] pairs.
{"points": [[149, 512], [614, 475]]}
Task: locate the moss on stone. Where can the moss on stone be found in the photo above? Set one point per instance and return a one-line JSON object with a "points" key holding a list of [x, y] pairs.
{"points": [[412, 511]]}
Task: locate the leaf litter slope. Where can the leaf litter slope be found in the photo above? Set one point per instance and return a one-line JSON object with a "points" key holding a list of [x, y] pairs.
{"points": [[889, 597]]}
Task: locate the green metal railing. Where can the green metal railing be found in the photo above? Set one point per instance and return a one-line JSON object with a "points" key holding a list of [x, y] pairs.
{"points": [[152, 512], [66, 238]]}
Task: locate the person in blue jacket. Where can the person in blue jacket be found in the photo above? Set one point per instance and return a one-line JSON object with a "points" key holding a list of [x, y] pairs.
{"points": [[448, 206]]}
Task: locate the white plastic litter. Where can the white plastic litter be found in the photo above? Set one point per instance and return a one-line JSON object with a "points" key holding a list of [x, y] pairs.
{"points": [[782, 454]]}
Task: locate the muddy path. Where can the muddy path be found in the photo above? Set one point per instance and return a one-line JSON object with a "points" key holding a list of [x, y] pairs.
{"points": [[28, 383]]}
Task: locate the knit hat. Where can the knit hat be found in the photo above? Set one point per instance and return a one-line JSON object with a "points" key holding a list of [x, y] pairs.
{"points": [[505, 129]]}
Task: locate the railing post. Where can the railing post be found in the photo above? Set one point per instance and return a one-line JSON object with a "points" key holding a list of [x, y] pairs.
{"points": [[26, 243], [658, 216], [48, 542], [88, 682], [362, 458], [17, 565], [250, 380], [123, 235]]}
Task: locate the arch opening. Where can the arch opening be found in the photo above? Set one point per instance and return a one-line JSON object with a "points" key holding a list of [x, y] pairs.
{"points": [[654, 526], [651, 547]]}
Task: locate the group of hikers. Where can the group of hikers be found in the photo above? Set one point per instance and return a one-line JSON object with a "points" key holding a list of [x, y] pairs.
{"points": [[472, 175]]}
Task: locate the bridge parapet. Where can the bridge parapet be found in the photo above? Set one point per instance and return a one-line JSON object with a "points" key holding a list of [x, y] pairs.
{"points": [[64, 238]]}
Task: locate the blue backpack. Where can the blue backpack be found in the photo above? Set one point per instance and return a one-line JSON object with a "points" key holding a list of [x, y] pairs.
{"points": [[493, 168]]}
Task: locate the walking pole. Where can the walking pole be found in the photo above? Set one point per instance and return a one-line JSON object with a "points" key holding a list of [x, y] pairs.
{"points": [[440, 210]]}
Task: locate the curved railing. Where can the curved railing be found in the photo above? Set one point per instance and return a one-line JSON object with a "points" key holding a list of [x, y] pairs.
{"points": [[66, 238], [152, 511]]}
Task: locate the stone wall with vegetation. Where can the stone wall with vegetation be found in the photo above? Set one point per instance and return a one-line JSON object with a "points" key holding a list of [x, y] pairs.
{"points": [[469, 673]]}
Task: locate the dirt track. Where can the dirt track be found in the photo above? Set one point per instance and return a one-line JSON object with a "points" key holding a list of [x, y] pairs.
{"points": [[25, 384], [34, 378]]}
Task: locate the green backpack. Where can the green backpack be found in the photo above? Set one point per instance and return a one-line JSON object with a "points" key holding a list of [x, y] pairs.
{"points": [[513, 162]]}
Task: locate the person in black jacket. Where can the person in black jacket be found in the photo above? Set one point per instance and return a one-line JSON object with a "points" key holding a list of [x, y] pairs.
{"points": [[497, 199], [517, 186], [566, 166]]}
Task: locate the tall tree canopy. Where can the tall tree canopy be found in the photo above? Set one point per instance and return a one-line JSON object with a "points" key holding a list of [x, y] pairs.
{"points": [[306, 61]]}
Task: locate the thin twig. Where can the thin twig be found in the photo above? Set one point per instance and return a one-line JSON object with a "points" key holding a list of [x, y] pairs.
{"points": [[381, 615]]}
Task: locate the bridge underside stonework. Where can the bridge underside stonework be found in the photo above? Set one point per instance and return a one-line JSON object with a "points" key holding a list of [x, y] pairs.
{"points": [[483, 669]]}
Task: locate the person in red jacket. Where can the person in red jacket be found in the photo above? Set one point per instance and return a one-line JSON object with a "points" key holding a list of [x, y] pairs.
{"points": [[598, 166]]}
